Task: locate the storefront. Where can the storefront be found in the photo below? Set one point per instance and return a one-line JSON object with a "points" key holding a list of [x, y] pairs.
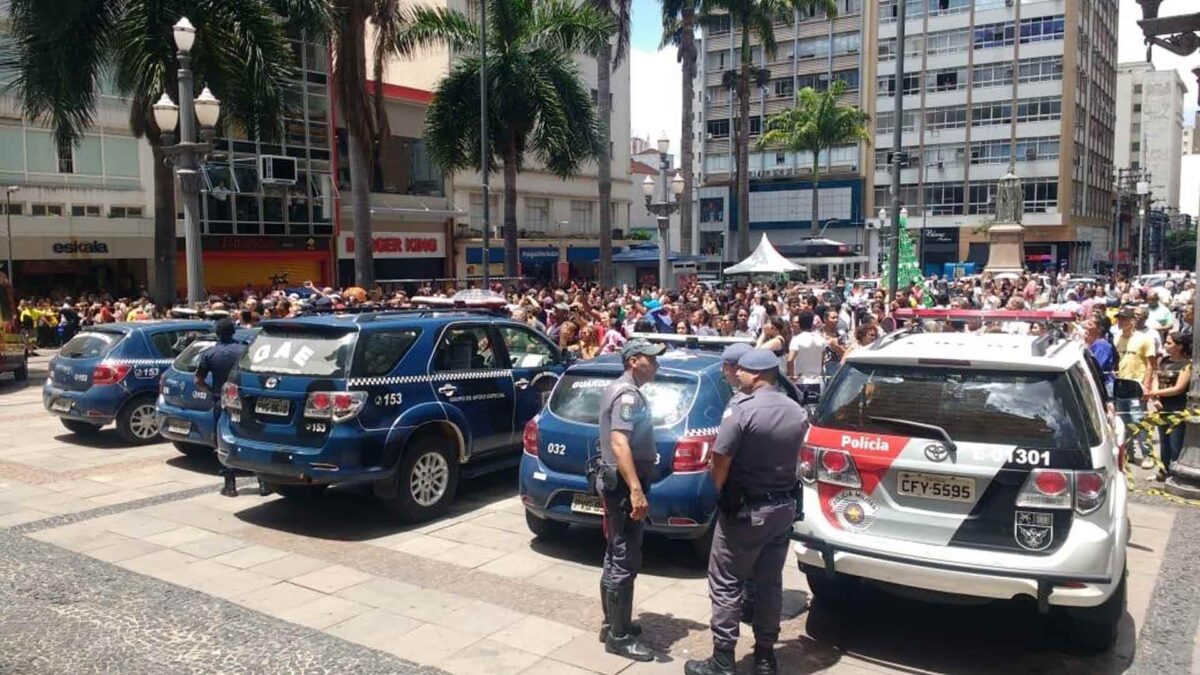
{"points": [[74, 264], [939, 245], [398, 256], [231, 262]]}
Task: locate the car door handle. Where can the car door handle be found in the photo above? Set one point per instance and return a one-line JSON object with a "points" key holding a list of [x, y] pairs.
{"points": [[448, 389], [521, 383]]}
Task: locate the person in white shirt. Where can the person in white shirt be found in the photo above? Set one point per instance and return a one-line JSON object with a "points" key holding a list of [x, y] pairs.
{"points": [[805, 355], [758, 316]]}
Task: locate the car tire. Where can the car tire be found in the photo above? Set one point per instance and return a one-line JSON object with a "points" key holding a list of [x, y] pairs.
{"points": [[293, 491], [80, 428], [1094, 630], [544, 528], [425, 481], [829, 591], [192, 449], [137, 423]]}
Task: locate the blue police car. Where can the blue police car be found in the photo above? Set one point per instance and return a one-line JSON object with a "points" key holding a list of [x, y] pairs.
{"points": [[687, 398], [185, 413], [110, 373], [408, 401]]}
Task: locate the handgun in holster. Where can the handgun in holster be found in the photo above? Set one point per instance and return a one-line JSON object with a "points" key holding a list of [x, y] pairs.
{"points": [[732, 499]]}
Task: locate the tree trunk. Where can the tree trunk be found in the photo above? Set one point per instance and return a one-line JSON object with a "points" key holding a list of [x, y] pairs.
{"points": [[603, 89], [687, 48], [816, 179], [360, 199], [743, 148], [166, 246], [509, 230]]}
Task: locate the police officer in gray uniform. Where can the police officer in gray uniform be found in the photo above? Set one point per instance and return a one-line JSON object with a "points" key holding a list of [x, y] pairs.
{"points": [[627, 458], [754, 467], [729, 370]]}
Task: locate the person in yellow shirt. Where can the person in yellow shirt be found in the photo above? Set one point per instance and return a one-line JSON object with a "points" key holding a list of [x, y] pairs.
{"points": [[1135, 352]]}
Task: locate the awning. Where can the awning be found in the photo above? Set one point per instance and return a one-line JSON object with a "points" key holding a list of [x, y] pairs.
{"points": [[764, 260], [831, 260]]}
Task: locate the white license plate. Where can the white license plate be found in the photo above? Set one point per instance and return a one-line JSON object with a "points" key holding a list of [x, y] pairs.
{"points": [[61, 405], [581, 503], [181, 427], [272, 406], [934, 486]]}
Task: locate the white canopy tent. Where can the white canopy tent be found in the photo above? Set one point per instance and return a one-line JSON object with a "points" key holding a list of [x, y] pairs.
{"points": [[765, 260]]}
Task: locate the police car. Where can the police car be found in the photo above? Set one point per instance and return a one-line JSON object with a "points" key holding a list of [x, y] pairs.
{"points": [[687, 398], [110, 373], [185, 413], [408, 401], [981, 465]]}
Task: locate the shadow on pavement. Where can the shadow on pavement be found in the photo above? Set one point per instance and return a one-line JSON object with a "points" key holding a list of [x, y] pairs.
{"points": [[205, 463], [660, 556], [101, 439]]}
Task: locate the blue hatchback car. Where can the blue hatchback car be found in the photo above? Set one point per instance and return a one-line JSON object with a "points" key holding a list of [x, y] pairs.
{"points": [[687, 399], [185, 414], [110, 373], [407, 401]]}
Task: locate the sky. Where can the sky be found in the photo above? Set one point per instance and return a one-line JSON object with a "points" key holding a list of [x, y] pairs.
{"points": [[655, 75]]}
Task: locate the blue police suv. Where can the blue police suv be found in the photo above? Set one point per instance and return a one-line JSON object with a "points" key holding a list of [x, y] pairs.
{"points": [[185, 413], [687, 399], [110, 373], [408, 401]]}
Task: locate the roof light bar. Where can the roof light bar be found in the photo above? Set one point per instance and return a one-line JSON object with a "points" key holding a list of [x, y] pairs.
{"points": [[985, 314]]}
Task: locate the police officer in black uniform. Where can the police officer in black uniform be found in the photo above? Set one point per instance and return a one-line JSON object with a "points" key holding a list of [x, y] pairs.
{"points": [[627, 457], [729, 370], [219, 360], [754, 467]]}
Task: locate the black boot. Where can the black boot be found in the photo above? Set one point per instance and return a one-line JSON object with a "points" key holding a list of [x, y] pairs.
{"points": [[620, 640], [720, 663], [263, 488], [764, 661], [230, 489], [635, 629]]}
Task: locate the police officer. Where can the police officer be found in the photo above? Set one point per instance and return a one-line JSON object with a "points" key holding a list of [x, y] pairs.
{"points": [[729, 370], [219, 360], [627, 457], [754, 468]]}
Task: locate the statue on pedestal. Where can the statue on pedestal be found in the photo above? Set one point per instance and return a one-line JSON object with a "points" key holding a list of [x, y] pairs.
{"points": [[1006, 236]]}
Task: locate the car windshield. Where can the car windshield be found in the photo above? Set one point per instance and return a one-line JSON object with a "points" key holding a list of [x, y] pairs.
{"points": [[577, 398], [291, 352], [89, 345], [189, 359], [1031, 409]]}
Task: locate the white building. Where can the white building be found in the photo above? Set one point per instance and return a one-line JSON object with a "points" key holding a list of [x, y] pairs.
{"points": [[1150, 132]]}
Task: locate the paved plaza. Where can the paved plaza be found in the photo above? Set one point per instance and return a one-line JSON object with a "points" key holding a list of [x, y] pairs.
{"points": [[127, 560]]}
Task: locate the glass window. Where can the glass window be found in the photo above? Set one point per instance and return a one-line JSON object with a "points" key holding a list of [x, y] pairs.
{"points": [[944, 42], [784, 87], [1042, 29], [12, 139], [942, 199], [993, 75], [984, 114], [991, 152], [995, 35], [1037, 149], [121, 157], [46, 210], [981, 197], [41, 153], [537, 214], [950, 117], [1041, 69], [170, 344], [577, 397], [465, 348], [90, 345], [526, 349], [189, 359], [85, 210], [718, 128], [293, 352], [15, 208], [912, 84], [581, 215], [948, 79], [378, 352], [1038, 109], [1041, 195], [86, 160]]}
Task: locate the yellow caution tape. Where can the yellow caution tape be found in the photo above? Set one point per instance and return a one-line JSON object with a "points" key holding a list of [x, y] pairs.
{"points": [[1131, 482], [1170, 420]]}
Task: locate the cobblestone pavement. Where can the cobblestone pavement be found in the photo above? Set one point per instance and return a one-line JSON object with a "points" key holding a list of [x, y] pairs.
{"points": [[126, 560]]}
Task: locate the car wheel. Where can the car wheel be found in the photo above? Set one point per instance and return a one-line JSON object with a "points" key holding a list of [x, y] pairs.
{"points": [[293, 491], [80, 428], [192, 449], [544, 528], [425, 482], [1094, 629], [137, 424], [831, 591]]}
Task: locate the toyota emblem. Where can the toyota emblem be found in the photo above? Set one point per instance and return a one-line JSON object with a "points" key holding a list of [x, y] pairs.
{"points": [[936, 452], [273, 382]]}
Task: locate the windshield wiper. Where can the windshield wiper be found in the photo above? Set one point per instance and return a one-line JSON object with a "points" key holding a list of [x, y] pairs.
{"points": [[935, 429]]}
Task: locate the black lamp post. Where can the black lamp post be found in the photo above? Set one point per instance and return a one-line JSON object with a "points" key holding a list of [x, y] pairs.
{"points": [[663, 209]]}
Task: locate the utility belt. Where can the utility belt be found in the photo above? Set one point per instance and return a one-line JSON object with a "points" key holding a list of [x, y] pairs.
{"points": [[735, 498], [606, 480]]}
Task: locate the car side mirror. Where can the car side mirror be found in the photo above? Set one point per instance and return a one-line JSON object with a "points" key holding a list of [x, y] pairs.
{"points": [[1127, 389], [569, 357]]}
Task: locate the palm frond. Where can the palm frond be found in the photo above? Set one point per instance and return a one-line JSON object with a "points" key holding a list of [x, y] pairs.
{"points": [[568, 132], [423, 28], [569, 27], [314, 17], [452, 119]]}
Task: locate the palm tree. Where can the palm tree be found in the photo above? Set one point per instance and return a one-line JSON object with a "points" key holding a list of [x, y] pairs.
{"points": [[608, 59], [62, 50], [679, 29], [817, 122], [537, 100], [755, 18]]}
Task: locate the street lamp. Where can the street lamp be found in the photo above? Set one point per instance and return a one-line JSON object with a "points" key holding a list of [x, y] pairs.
{"points": [[12, 276], [663, 209], [186, 156]]}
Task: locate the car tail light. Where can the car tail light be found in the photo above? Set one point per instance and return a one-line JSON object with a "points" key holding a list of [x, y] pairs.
{"points": [[162, 381], [808, 464], [692, 453], [110, 373], [530, 438], [837, 467], [1047, 489], [1090, 489], [339, 406], [231, 397]]}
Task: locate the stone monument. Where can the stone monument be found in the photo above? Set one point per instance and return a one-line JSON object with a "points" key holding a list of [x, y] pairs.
{"points": [[1006, 236]]}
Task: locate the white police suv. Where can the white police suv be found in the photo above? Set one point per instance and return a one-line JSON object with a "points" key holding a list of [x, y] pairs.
{"points": [[970, 464]]}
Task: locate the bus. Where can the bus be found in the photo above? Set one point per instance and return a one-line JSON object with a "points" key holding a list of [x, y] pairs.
{"points": [[13, 356]]}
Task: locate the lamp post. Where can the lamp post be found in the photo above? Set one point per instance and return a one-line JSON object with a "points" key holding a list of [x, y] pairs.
{"points": [[186, 156], [897, 149], [12, 277], [663, 209]]}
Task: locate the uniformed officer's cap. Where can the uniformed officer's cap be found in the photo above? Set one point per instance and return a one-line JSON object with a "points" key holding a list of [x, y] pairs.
{"points": [[638, 346], [734, 352], [758, 360]]}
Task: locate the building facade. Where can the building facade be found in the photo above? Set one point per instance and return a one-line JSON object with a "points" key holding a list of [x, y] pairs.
{"points": [[1150, 131]]}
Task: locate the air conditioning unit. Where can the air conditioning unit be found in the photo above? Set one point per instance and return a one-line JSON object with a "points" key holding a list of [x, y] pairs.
{"points": [[277, 170], [941, 164]]}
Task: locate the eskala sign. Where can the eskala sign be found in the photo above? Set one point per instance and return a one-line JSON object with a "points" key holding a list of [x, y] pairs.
{"points": [[79, 247]]}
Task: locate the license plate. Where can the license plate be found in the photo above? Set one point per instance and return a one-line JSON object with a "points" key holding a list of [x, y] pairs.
{"points": [[272, 406], [181, 427], [581, 503], [934, 486], [61, 405]]}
